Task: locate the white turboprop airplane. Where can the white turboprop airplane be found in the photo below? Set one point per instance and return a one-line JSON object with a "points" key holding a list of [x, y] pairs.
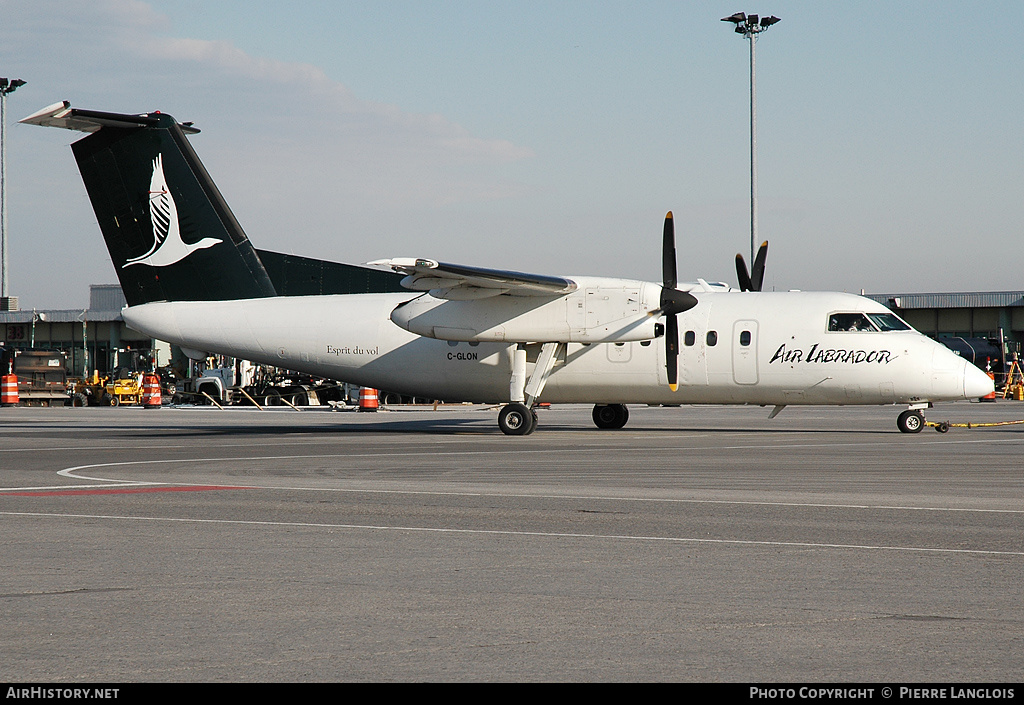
{"points": [[191, 277]]}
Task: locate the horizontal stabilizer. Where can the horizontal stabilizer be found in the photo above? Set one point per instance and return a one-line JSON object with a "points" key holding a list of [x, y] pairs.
{"points": [[63, 115]]}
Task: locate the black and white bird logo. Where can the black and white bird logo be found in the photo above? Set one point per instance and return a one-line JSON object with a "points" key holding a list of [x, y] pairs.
{"points": [[168, 246]]}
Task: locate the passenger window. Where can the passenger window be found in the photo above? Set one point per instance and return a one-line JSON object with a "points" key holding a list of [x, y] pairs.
{"points": [[712, 338], [690, 338], [745, 338]]}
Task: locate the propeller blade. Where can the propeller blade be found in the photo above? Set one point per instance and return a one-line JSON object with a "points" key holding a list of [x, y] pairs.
{"points": [[757, 271], [672, 350], [671, 302], [741, 274], [668, 254]]}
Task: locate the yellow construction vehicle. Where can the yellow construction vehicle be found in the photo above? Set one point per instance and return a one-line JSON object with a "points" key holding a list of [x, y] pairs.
{"points": [[104, 391], [127, 390]]}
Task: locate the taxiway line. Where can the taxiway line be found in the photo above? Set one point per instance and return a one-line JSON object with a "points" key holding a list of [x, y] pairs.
{"points": [[537, 534]]}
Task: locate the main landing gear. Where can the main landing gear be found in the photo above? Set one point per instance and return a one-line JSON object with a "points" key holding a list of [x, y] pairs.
{"points": [[517, 420], [518, 417], [610, 415]]}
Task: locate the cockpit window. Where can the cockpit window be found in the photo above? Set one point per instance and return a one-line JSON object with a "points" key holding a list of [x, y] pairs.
{"points": [[849, 321], [865, 322], [887, 321]]}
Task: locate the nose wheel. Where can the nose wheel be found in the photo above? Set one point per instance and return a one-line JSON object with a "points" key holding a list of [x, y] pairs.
{"points": [[910, 421]]}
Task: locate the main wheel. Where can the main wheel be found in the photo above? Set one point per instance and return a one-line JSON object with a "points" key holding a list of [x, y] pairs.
{"points": [[910, 421], [610, 415], [516, 420]]}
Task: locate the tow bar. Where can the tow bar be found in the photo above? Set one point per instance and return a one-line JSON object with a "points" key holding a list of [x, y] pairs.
{"points": [[944, 426]]}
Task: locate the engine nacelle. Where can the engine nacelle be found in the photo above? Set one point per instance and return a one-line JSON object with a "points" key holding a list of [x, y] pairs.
{"points": [[597, 312]]}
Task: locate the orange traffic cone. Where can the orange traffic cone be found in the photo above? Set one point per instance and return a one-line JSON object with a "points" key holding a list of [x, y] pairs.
{"points": [[992, 396]]}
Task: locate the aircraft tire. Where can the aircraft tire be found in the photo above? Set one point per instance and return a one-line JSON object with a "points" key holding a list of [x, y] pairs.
{"points": [[516, 420], [910, 421], [610, 415]]}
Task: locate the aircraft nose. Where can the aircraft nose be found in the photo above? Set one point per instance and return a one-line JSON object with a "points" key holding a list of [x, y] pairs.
{"points": [[977, 383]]}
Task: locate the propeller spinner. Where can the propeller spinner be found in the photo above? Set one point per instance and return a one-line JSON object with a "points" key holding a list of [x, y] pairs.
{"points": [[753, 280], [672, 301]]}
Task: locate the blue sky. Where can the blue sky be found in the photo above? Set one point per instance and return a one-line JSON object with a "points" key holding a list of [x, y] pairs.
{"points": [[548, 137]]}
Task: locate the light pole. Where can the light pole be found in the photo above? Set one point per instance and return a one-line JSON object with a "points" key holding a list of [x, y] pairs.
{"points": [[6, 86], [750, 26], [36, 317]]}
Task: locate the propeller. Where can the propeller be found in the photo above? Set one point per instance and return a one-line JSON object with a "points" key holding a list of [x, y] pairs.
{"points": [[753, 280], [672, 301]]}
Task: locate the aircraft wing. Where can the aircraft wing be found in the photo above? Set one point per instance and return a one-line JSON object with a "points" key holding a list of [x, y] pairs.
{"points": [[459, 283]]}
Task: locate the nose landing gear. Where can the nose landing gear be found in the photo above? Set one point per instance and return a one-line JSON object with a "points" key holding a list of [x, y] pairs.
{"points": [[910, 421]]}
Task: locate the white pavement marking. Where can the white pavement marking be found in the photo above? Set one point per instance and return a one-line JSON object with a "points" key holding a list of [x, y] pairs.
{"points": [[119, 482], [539, 534]]}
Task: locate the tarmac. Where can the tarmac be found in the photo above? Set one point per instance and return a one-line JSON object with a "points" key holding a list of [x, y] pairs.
{"points": [[697, 544]]}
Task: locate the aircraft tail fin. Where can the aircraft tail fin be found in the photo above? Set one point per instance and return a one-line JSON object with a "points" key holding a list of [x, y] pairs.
{"points": [[169, 232]]}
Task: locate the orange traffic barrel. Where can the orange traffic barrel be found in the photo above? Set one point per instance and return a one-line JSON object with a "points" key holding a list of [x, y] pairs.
{"points": [[150, 391], [992, 396], [367, 399], [9, 390]]}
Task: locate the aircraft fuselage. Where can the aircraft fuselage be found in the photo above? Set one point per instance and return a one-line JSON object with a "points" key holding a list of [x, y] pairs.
{"points": [[737, 348]]}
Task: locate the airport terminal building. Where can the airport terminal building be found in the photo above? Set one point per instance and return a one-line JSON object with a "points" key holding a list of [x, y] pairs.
{"points": [[997, 315], [94, 338]]}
